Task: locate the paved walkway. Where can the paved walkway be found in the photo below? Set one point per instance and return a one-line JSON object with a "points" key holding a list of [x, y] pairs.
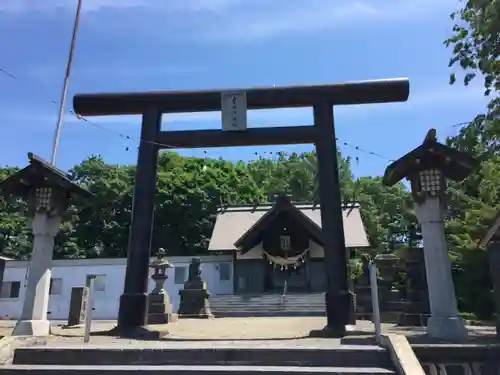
{"points": [[269, 331]]}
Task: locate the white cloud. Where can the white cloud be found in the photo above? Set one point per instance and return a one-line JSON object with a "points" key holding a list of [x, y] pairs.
{"points": [[96, 5], [248, 20], [256, 19]]}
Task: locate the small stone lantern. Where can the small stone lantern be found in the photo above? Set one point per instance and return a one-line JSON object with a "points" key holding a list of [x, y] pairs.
{"points": [[160, 309], [159, 268], [386, 264]]}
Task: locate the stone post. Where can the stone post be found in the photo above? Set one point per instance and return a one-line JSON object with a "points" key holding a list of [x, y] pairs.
{"points": [[4, 235], [444, 321], [428, 167], [48, 191], [2, 270], [33, 320]]}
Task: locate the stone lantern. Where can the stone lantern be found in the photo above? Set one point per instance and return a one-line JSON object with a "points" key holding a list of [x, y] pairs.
{"points": [[160, 309], [48, 191], [386, 265], [428, 167]]}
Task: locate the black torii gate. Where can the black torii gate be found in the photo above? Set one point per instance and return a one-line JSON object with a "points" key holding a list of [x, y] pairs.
{"points": [[151, 105]]}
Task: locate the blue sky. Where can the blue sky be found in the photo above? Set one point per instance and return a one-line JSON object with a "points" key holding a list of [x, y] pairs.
{"points": [[138, 45]]}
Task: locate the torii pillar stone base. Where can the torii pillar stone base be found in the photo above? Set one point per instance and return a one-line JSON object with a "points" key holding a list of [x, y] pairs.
{"points": [[444, 322], [33, 320]]}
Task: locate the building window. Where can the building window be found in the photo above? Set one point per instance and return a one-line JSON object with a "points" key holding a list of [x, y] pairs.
{"points": [[224, 271], [10, 289], [180, 275], [55, 288], [100, 283]]}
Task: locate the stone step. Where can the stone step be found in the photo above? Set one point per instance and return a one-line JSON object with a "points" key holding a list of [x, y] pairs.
{"points": [[277, 300], [263, 313], [264, 297], [173, 354], [185, 370], [260, 306]]}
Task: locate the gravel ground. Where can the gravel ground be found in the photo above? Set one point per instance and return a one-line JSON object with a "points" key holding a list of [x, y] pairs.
{"points": [[269, 331]]}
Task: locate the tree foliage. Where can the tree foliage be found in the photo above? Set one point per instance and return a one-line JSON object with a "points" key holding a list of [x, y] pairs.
{"points": [[189, 190], [475, 44]]}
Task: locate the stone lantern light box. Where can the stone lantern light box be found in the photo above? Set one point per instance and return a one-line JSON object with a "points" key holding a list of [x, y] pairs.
{"points": [[48, 191]]}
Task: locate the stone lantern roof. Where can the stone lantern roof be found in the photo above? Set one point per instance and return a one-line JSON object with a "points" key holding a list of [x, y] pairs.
{"points": [[454, 164], [40, 173]]}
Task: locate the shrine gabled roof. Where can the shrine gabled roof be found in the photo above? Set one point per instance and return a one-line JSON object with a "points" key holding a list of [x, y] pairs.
{"points": [[39, 171], [455, 165], [234, 221]]}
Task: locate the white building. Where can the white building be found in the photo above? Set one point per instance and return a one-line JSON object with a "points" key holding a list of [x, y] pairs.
{"points": [[108, 286]]}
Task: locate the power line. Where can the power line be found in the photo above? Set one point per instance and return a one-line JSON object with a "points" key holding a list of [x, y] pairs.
{"points": [[128, 138]]}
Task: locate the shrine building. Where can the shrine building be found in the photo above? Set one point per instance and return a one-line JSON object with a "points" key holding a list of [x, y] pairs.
{"points": [[274, 243]]}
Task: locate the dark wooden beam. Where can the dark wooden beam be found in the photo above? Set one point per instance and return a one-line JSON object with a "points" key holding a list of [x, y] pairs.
{"points": [[360, 92], [283, 135]]}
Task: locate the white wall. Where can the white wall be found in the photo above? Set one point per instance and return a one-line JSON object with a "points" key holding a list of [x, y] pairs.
{"points": [[73, 273]]}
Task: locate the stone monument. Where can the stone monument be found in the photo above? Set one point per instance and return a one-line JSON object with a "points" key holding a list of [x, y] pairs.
{"points": [[416, 305], [427, 168], [78, 306], [48, 191], [160, 308], [491, 241], [194, 296]]}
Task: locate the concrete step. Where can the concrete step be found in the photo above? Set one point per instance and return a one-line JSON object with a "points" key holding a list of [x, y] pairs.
{"points": [[185, 370], [266, 297], [173, 354], [268, 306], [264, 313]]}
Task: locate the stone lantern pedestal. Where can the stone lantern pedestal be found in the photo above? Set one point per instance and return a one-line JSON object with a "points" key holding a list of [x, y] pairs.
{"points": [[194, 297], [48, 191], [427, 168], [160, 308]]}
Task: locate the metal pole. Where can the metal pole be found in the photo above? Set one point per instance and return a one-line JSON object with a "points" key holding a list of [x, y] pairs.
{"points": [[375, 305], [88, 316], [57, 132]]}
